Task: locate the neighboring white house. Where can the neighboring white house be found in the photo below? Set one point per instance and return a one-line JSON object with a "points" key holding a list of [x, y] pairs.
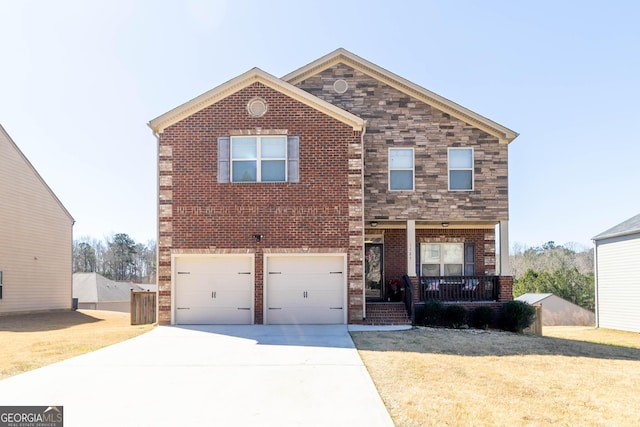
{"points": [[96, 292], [617, 263], [36, 233], [558, 311]]}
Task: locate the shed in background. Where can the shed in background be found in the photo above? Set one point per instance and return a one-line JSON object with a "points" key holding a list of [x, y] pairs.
{"points": [[558, 311]]}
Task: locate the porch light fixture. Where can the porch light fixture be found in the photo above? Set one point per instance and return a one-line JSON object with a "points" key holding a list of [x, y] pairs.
{"points": [[258, 237], [445, 224], [373, 223]]}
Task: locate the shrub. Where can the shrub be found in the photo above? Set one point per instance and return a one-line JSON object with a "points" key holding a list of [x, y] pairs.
{"points": [[433, 312], [517, 315], [482, 317], [419, 314], [454, 316]]}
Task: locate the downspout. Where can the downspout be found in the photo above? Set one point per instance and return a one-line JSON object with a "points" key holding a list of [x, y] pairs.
{"points": [[157, 135], [364, 298], [595, 281]]}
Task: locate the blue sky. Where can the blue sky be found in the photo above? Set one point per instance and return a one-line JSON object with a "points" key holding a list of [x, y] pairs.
{"points": [[79, 81]]}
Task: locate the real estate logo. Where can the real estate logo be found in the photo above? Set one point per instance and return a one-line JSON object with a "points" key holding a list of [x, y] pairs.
{"points": [[31, 416]]}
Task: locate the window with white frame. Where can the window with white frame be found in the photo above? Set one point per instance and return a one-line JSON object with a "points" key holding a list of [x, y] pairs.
{"points": [[258, 158], [442, 259], [461, 169], [401, 169]]}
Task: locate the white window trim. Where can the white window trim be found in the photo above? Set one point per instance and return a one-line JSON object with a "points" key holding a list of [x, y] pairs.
{"points": [[472, 168], [258, 158], [412, 169]]}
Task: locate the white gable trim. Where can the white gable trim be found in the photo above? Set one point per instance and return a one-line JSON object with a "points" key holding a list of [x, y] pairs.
{"points": [[505, 135], [160, 123]]}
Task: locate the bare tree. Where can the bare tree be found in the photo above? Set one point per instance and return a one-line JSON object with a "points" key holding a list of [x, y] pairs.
{"points": [[118, 257]]}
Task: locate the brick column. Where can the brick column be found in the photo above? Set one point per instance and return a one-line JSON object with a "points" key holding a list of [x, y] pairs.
{"points": [[506, 288]]}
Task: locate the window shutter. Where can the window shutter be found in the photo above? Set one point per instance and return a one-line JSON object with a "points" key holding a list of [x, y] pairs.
{"points": [[293, 158], [223, 159], [469, 259]]}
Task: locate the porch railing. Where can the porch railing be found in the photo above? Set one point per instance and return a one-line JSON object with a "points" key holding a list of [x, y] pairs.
{"points": [[408, 298], [459, 288]]}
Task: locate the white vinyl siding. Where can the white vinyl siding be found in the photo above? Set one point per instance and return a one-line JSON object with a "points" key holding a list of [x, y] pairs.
{"points": [[618, 283], [35, 249]]}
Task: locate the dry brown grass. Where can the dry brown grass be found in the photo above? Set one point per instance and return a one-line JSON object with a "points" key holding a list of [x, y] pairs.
{"points": [[439, 377], [30, 341], [595, 335]]}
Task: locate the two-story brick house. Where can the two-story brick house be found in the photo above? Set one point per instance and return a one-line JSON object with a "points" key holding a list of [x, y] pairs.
{"points": [[303, 199]]}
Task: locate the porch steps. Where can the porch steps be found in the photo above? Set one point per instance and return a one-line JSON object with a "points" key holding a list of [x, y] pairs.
{"points": [[386, 313]]}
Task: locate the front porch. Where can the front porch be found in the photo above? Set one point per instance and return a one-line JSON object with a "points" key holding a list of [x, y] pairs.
{"points": [[459, 288], [408, 263], [468, 291]]}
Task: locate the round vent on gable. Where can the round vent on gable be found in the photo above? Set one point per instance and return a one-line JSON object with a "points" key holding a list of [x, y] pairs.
{"points": [[257, 107], [340, 86]]}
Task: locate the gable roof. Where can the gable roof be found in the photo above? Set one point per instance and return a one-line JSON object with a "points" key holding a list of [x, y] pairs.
{"points": [[630, 226], [531, 298], [4, 135], [343, 56], [93, 287], [160, 123]]}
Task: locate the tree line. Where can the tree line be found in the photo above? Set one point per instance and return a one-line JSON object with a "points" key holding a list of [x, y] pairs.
{"points": [[565, 271], [117, 257]]}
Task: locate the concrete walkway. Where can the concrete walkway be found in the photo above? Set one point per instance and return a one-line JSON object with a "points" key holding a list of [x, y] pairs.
{"points": [[211, 376]]}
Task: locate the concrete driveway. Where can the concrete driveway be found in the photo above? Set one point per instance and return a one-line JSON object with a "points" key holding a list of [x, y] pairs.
{"points": [[211, 376]]}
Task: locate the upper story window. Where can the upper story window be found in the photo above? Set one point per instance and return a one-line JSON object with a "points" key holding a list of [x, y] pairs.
{"points": [[461, 169], [272, 158], [401, 169], [258, 159]]}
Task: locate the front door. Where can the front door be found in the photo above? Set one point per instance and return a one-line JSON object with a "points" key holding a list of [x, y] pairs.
{"points": [[373, 271]]}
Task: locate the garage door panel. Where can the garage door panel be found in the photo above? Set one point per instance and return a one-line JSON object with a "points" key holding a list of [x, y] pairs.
{"points": [[231, 298], [220, 316], [305, 265], [214, 290], [305, 289]]}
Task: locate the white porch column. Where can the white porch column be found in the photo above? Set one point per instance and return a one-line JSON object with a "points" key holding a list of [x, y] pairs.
{"points": [[505, 267], [411, 248]]}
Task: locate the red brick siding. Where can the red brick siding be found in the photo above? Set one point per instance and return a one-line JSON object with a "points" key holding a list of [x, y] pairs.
{"points": [[395, 243], [506, 288], [313, 213]]}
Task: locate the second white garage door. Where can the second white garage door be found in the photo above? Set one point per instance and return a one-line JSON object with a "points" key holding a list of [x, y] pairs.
{"points": [[214, 290], [305, 289]]}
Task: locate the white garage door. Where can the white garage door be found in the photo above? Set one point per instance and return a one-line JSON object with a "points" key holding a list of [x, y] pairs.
{"points": [[214, 290], [305, 289]]}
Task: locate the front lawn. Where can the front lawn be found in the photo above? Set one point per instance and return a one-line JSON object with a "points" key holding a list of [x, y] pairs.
{"points": [[30, 341], [442, 377]]}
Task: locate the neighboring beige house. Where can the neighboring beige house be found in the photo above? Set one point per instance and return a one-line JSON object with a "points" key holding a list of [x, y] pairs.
{"points": [[617, 259], [96, 292], [35, 238], [558, 311]]}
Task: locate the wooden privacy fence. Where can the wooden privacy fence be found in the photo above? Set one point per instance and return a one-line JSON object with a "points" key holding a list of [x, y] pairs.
{"points": [[143, 307], [536, 326]]}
